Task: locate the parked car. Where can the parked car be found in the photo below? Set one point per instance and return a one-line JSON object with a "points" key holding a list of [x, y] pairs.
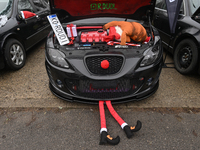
{"points": [[18, 34], [184, 44], [75, 70]]}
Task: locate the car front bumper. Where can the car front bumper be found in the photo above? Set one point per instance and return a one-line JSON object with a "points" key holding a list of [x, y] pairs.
{"points": [[75, 87]]}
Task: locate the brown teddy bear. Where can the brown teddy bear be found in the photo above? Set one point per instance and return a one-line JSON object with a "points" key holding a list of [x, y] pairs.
{"points": [[130, 30]]}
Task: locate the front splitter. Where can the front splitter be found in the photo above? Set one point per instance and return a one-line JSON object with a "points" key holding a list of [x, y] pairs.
{"points": [[138, 97]]}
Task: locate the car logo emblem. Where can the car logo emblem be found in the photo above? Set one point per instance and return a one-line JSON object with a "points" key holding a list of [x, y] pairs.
{"points": [[105, 64]]}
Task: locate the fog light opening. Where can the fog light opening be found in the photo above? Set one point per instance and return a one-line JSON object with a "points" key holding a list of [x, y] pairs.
{"points": [[74, 87], [149, 81], [134, 87], [59, 83], [141, 79]]}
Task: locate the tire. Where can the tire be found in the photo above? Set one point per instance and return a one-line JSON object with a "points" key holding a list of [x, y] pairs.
{"points": [[15, 55], [186, 57]]}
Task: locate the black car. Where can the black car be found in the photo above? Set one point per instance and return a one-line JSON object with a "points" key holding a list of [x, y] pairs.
{"points": [[184, 44], [75, 70], [18, 34]]}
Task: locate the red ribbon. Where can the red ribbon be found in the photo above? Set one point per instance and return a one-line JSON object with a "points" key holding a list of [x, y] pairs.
{"points": [[131, 44], [102, 114], [72, 36]]}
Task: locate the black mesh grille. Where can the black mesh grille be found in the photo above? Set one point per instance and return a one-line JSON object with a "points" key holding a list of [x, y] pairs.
{"points": [[94, 64], [104, 89]]}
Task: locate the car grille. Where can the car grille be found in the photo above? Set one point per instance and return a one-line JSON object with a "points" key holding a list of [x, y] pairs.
{"points": [[103, 89], [94, 64]]}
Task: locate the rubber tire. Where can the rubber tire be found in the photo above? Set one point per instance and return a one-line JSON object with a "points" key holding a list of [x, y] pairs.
{"points": [[9, 63], [194, 51]]}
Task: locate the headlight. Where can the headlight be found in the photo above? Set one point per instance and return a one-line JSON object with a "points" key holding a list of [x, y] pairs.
{"points": [[151, 55], [57, 58]]}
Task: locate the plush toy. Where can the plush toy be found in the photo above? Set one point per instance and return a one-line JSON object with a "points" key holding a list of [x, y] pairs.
{"points": [[130, 30], [105, 137], [27, 14], [115, 33]]}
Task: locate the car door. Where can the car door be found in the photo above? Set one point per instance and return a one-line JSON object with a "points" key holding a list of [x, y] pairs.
{"points": [[42, 11], [161, 21], [27, 28], [34, 29]]}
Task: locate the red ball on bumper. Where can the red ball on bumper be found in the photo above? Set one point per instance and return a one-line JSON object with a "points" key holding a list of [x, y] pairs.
{"points": [[105, 64]]}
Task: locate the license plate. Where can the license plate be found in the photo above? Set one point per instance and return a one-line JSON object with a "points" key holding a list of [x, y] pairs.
{"points": [[58, 29]]}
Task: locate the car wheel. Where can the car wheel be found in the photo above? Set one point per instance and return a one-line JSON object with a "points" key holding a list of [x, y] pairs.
{"points": [[186, 56], [15, 54]]}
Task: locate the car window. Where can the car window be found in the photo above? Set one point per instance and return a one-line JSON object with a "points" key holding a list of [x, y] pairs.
{"points": [[161, 4], [40, 4], [6, 7], [182, 9], [194, 5], [25, 5], [45, 3]]}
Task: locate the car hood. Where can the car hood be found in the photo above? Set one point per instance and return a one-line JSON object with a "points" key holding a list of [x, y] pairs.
{"points": [[79, 9]]}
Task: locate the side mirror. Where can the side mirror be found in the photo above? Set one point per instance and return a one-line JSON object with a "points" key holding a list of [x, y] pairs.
{"points": [[19, 17], [197, 18], [196, 15], [23, 15]]}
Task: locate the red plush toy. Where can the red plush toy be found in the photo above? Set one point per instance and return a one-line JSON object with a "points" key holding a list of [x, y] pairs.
{"points": [[115, 33], [130, 30], [27, 14], [105, 137]]}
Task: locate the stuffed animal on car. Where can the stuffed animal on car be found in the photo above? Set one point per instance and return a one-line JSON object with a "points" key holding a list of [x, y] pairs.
{"points": [[130, 30]]}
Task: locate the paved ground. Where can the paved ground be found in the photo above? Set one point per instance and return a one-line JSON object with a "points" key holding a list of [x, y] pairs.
{"points": [[31, 117], [74, 129]]}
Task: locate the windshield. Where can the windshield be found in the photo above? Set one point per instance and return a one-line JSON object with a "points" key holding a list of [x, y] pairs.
{"points": [[5, 7], [194, 5]]}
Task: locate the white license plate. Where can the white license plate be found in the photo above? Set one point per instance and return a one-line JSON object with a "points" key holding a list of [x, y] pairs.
{"points": [[58, 29]]}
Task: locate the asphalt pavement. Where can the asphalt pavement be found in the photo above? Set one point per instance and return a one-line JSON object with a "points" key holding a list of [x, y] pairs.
{"points": [[31, 117]]}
